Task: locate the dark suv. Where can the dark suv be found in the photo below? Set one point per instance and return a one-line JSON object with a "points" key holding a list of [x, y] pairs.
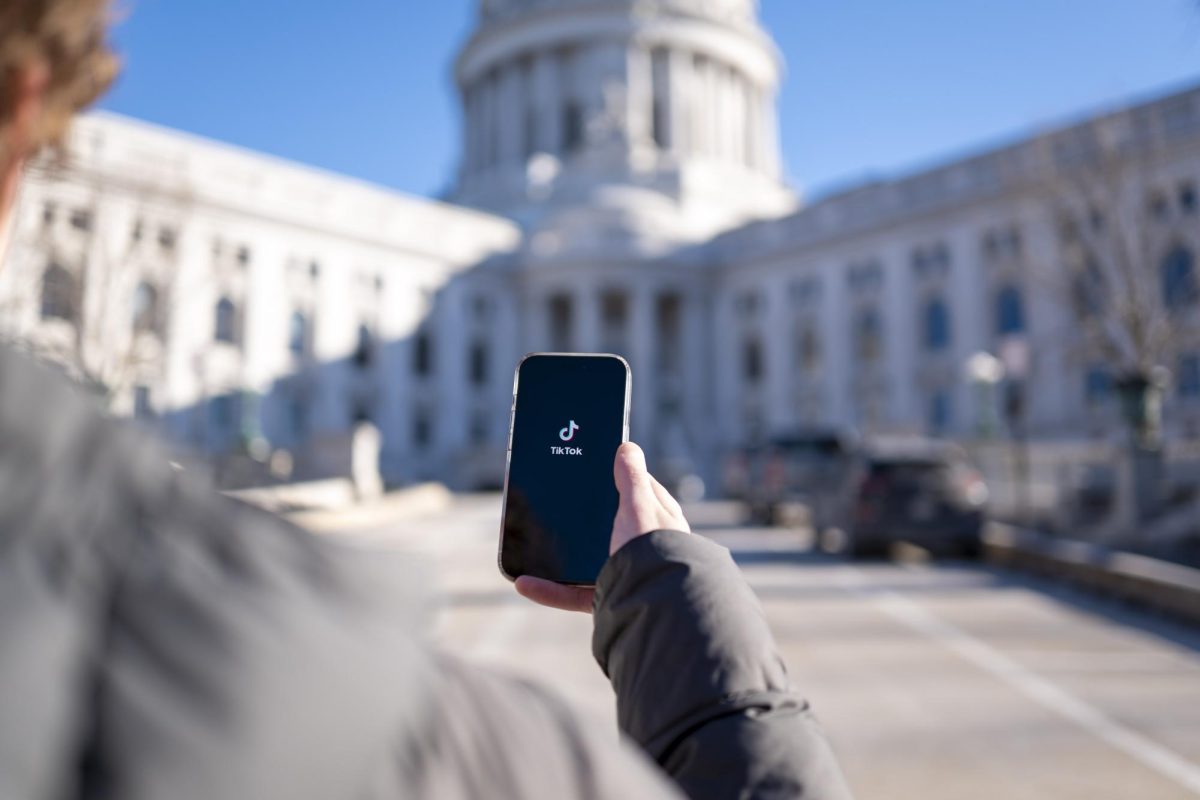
{"points": [[918, 491]]}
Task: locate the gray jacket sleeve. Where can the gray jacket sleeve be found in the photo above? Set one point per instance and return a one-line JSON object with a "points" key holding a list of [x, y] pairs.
{"points": [[699, 683]]}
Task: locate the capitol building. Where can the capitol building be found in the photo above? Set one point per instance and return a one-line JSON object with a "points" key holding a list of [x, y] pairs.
{"points": [[620, 189]]}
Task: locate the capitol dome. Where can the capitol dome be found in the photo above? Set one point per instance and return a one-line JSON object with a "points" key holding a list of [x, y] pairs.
{"points": [[730, 10], [675, 97]]}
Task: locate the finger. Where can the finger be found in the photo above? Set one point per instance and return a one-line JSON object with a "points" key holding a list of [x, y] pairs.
{"points": [[668, 501], [556, 595]]}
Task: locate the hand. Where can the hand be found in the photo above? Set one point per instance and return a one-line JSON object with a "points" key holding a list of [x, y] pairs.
{"points": [[645, 507]]}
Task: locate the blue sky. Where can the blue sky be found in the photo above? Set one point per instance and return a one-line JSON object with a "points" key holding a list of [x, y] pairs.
{"points": [[874, 87]]}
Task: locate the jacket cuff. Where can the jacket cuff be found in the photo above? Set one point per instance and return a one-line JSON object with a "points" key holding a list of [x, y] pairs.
{"points": [[679, 633]]}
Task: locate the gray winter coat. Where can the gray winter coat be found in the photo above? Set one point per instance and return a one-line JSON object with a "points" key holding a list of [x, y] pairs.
{"points": [[157, 641]]}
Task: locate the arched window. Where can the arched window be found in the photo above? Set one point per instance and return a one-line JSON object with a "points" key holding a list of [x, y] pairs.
{"points": [[940, 412], [145, 307], [478, 364], [1179, 279], [572, 127], [364, 351], [58, 293], [809, 349], [1088, 289], [298, 334], [937, 326], [423, 354], [752, 360], [561, 313], [868, 335], [226, 321], [1010, 311]]}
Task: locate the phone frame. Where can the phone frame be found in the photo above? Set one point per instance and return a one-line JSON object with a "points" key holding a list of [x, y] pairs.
{"points": [[512, 419]]}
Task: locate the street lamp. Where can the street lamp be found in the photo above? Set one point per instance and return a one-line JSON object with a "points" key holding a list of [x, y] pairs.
{"points": [[1014, 357], [985, 371]]}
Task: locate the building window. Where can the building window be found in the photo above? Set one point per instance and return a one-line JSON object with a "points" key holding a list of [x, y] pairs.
{"points": [[166, 238], [1097, 384], [81, 219], [529, 134], [1002, 244], [481, 308], [423, 354], [561, 315], [1087, 290], [941, 412], [932, 260], [222, 415], [364, 349], [658, 91], [1187, 198], [48, 214], [668, 326], [314, 270], [360, 412], [138, 231], [1179, 279], [226, 321], [1158, 206], [572, 127], [298, 334], [422, 431], [614, 318], [142, 410], [659, 124], [58, 293], [865, 277], [868, 336], [479, 429], [243, 256], [752, 360], [808, 350], [477, 364], [1189, 376], [1010, 311], [298, 415], [936, 326], [145, 307]]}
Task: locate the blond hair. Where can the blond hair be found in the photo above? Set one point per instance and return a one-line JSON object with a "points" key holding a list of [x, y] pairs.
{"points": [[68, 38]]}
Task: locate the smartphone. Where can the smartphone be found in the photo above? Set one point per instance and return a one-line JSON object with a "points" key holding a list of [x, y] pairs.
{"points": [[570, 414]]}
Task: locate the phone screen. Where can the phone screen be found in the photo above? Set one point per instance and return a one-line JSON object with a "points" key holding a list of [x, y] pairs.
{"points": [[569, 418]]}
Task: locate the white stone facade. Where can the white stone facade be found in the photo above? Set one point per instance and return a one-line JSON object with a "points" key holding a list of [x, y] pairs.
{"points": [[619, 190]]}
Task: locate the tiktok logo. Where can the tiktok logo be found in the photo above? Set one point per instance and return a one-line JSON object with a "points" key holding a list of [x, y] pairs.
{"points": [[568, 433]]}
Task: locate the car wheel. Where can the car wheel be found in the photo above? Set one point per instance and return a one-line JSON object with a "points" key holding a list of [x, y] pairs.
{"points": [[971, 549]]}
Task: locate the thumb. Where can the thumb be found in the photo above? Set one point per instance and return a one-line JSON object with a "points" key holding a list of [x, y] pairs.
{"points": [[629, 470]]}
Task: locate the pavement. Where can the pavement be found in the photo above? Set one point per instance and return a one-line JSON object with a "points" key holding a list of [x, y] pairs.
{"points": [[933, 680]]}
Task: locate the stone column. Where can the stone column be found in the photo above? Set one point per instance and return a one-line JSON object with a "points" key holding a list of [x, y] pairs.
{"points": [[736, 122], [769, 119], [725, 120], [487, 121], [699, 368], [639, 97], [510, 115], [681, 78]]}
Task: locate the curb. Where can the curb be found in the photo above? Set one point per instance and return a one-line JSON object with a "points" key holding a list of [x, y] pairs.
{"points": [[1171, 588]]}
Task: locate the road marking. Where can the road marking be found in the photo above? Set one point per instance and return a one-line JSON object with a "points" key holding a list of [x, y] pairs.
{"points": [[1162, 760]]}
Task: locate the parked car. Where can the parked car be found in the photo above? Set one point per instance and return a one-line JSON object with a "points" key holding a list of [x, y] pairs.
{"points": [[919, 491], [798, 469]]}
